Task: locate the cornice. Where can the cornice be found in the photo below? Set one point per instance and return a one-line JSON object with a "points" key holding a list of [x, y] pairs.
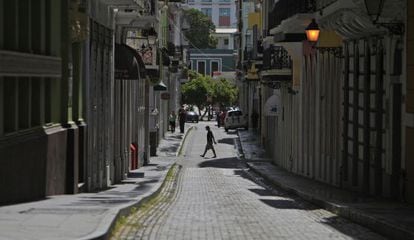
{"points": [[349, 24], [350, 20]]}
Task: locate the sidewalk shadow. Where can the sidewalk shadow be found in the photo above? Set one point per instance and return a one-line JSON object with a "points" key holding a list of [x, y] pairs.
{"points": [[178, 137], [135, 175], [170, 149], [230, 132], [226, 141], [285, 204], [115, 197], [351, 229]]}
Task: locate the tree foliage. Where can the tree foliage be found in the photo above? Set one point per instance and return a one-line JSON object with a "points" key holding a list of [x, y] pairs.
{"points": [[200, 28], [224, 92], [221, 91], [195, 91]]}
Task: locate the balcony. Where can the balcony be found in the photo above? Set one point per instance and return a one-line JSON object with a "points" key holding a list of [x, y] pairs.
{"points": [[277, 65], [285, 9]]}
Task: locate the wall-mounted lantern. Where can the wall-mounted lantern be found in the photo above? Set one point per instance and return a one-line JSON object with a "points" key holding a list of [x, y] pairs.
{"points": [[374, 9], [312, 34], [312, 31]]}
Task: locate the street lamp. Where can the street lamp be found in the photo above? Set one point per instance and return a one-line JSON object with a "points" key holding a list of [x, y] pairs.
{"points": [[312, 34], [312, 31], [374, 9]]}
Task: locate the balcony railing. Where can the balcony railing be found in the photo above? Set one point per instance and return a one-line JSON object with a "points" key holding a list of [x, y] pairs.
{"points": [[276, 57], [285, 9]]}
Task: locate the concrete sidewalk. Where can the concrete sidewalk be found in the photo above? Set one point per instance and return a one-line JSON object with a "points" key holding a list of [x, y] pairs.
{"points": [[392, 219], [89, 215]]}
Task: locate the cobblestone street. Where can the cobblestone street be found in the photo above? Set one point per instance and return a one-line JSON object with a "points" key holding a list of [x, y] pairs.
{"points": [[218, 198]]}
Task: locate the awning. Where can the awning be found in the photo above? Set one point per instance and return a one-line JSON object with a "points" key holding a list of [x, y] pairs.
{"points": [[128, 63], [160, 87]]}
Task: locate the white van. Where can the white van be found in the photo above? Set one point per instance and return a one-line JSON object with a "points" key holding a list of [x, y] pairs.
{"points": [[234, 119]]}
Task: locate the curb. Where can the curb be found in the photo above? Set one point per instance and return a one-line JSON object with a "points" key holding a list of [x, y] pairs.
{"points": [[377, 225], [122, 212], [180, 147]]}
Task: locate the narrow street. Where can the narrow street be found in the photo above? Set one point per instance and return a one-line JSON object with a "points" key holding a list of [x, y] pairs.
{"points": [[219, 198]]}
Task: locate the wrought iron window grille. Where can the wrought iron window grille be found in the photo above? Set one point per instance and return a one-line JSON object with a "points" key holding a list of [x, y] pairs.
{"points": [[272, 84], [336, 51], [276, 57], [396, 28]]}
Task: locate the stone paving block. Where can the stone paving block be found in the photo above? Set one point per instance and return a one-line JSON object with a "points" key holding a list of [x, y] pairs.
{"points": [[213, 199]]}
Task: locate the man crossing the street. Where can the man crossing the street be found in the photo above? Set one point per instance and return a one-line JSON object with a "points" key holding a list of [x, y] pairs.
{"points": [[210, 141]]}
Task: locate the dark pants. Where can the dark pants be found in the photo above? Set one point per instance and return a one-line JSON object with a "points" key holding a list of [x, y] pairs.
{"points": [[182, 122], [172, 126]]}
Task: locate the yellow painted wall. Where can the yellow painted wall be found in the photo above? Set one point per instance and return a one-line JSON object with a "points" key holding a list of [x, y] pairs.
{"points": [[329, 39], [255, 18]]}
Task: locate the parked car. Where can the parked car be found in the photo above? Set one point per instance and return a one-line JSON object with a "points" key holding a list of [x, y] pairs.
{"points": [[191, 117], [235, 119]]}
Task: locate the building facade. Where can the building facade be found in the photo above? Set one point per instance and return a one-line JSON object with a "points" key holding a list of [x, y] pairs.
{"points": [[223, 14], [343, 114], [210, 61], [76, 102]]}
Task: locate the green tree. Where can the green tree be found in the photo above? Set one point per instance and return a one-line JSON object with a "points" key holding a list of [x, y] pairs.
{"points": [[200, 28], [195, 91], [224, 92]]}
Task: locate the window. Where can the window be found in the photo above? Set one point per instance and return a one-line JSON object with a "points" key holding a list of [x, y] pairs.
{"points": [[201, 67], [25, 99], [207, 12], [206, 1], [224, 17], [226, 41]]}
